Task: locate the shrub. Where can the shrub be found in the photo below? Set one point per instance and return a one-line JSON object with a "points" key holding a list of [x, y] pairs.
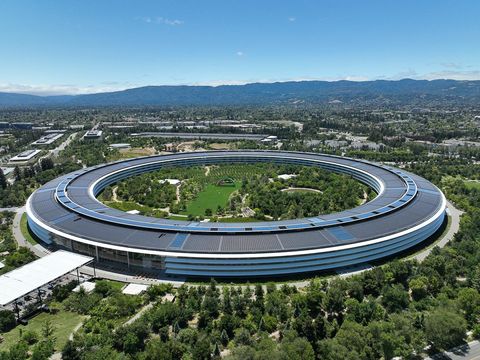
{"points": [[7, 320]]}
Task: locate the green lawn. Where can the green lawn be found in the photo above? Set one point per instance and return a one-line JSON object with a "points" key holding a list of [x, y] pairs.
{"points": [[210, 198], [25, 231], [237, 219], [118, 285], [472, 184], [177, 217], [64, 322]]}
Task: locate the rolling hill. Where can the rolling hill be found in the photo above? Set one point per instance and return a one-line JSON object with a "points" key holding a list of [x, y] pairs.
{"points": [[379, 92]]}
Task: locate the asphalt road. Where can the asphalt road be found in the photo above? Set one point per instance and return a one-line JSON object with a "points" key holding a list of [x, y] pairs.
{"points": [[63, 145], [470, 351], [14, 209]]}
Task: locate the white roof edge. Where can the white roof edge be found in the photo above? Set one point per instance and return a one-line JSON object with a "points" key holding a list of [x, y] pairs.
{"points": [[29, 277]]}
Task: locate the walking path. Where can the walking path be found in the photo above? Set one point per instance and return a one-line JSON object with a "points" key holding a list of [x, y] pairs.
{"points": [[454, 214], [469, 351], [139, 313]]}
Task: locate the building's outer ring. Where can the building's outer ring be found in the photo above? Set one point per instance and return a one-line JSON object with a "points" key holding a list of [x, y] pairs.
{"points": [[407, 210]]}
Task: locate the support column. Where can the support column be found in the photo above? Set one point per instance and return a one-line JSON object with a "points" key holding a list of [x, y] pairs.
{"points": [[17, 310], [128, 259]]}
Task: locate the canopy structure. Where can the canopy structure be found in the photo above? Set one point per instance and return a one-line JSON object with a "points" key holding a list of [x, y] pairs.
{"points": [[24, 280]]}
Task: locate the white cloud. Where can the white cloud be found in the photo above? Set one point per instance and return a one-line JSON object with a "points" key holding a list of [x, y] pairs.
{"points": [[292, 19], [240, 53], [161, 20], [63, 89]]}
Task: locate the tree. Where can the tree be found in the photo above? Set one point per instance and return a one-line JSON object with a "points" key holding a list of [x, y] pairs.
{"points": [[334, 301], [69, 351], [7, 320], [48, 329], [294, 347], [202, 350], [208, 212], [216, 351], [445, 329], [394, 298], [242, 337], [43, 350], [3, 180], [17, 173], [19, 351], [104, 288], [224, 337], [46, 164], [469, 301], [419, 287]]}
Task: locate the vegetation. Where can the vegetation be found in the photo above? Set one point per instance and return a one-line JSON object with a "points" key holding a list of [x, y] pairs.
{"points": [[401, 309], [26, 231], [28, 179], [61, 322], [11, 255], [204, 192]]}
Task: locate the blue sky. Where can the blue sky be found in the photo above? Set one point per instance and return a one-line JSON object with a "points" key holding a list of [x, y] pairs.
{"points": [[67, 46]]}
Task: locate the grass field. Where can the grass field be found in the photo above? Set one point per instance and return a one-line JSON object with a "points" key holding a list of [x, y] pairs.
{"points": [[472, 184], [63, 322], [24, 229], [210, 197], [237, 219], [177, 217]]}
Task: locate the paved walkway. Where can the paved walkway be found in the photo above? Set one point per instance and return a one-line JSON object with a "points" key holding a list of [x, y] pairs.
{"points": [[139, 313], [38, 250], [13, 209], [454, 214], [470, 351]]}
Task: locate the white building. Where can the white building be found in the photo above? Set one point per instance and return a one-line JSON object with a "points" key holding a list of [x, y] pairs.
{"points": [[25, 156], [93, 135]]}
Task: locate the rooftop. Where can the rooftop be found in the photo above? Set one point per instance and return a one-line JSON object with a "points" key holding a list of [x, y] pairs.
{"points": [[25, 279]]}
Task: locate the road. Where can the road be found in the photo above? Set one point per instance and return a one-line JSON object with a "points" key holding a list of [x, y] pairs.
{"points": [[38, 250], [13, 209], [63, 145], [454, 227], [470, 351]]}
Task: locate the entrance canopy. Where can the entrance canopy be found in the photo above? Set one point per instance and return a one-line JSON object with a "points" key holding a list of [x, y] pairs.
{"points": [[34, 275]]}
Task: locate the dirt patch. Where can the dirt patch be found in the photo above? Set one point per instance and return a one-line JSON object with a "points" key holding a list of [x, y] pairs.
{"points": [[134, 152], [189, 146], [220, 146]]}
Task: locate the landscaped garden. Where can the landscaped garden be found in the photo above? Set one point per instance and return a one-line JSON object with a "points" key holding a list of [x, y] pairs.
{"points": [[237, 192]]}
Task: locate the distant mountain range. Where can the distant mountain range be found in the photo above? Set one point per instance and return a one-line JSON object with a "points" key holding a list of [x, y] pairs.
{"points": [[379, 92]]}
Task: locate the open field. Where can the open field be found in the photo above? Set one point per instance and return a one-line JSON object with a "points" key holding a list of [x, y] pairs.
{"points": [[134, 152], [210, 197], [63, 323]]}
